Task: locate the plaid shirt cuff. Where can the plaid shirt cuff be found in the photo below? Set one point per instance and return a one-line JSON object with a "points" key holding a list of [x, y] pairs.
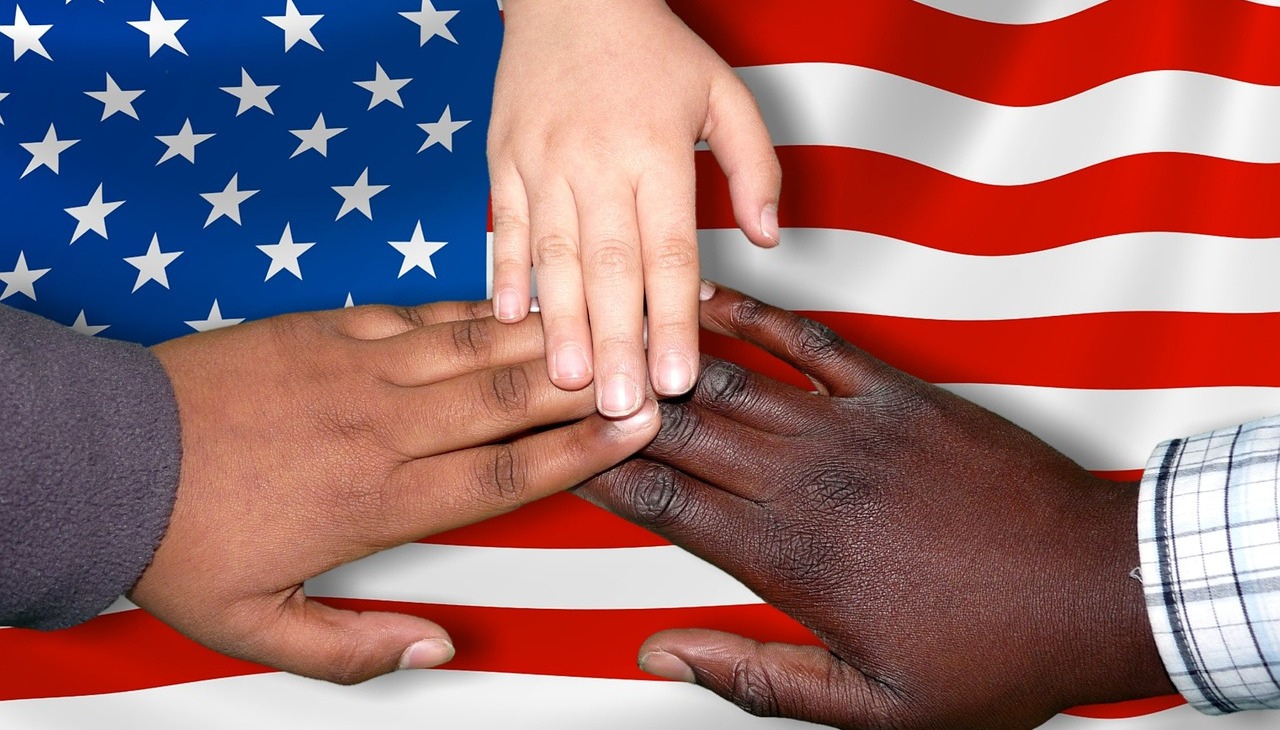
{"points": [[1209, 535]]}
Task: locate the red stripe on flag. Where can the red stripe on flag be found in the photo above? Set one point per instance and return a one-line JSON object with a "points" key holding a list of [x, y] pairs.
{"points": [[1054, 60], [861, 190], [132, 651], [1133, 708]]}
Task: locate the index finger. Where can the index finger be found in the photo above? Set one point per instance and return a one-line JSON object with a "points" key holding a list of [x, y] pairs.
{"points": [[379, 321], [445, 492], [836, 367], [713, 524]]}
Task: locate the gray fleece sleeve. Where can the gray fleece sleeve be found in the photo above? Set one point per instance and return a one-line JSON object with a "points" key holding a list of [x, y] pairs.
{"points": [[90, 443]]}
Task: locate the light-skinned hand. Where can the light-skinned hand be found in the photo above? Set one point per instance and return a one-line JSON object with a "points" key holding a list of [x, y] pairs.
{"points": [[312, 440], [960, 572], [597, 109]]}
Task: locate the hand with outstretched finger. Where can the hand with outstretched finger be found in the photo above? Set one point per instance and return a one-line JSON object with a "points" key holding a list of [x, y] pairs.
{"points": [[597, 109], [312, 440], [960, 572]]}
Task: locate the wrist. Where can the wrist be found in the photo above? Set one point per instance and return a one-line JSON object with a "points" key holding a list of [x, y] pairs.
{"points": [[1113, 648]]}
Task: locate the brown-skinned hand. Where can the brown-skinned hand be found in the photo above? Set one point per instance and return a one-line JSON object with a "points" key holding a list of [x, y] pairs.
{"points": [[961, 573], [312, 440]]}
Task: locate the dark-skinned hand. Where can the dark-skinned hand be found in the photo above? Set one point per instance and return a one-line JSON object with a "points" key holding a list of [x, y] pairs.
{"points": [[961, 573]]}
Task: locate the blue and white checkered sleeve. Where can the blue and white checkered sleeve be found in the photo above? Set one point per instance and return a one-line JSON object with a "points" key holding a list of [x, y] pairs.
{"points": [[1209, 534]]}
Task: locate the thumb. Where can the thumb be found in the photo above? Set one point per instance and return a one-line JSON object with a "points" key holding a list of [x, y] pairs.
{"points": [[768, 680], [738, 138], [315, 640]]}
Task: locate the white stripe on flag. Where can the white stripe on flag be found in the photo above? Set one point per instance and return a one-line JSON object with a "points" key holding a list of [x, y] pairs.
{"points": [[845, 271], [1157, 111], [617, 578], [1112, 430], [1012, 12]]}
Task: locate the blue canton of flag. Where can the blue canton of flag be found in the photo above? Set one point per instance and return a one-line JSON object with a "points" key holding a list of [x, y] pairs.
{"points": [[177, 165]]}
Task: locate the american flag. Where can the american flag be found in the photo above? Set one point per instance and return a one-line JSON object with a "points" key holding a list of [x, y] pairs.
{"points": [[1056, 208]]}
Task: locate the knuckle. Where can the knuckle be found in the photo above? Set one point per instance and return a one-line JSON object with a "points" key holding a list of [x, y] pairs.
{"points": [[510, 265], [411, 316], [501, 478], [375, 319], [752, 688], [481, 309], [509, 220], [816, 341], [619, 344], [723, 384], [678, 432], [674, 254], [555, 249], [507, 393], [749, 314], [612, 257], [472, 341], [348, 665], [656, 497], [771, 168], [673, 329]]}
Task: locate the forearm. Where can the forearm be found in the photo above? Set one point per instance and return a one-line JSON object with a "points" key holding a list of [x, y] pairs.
{"points": [[92, 453]]}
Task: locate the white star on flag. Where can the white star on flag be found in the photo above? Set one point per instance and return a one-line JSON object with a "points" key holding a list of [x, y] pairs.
{"points": [[358, 196], [441, 132], [432, 23], [153, 265], [227, 203], [82, 326], [45, 152], [183, 143], [26, 37], [296, 27], [92, 216], [114, 99], [250, 94], [214, 322], [3, 95], [383, 87], [21, 280], [317, 138], [417, 252], [284, 255], [160, 31]]}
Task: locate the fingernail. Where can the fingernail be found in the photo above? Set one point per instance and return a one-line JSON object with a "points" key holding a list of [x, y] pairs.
{"points": [[667, 666], [638, 421], [674, 375], [570, 364], [620, 396], [769, 223], [426, 654], [534, 306], [508, 306], [706, 291]]}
